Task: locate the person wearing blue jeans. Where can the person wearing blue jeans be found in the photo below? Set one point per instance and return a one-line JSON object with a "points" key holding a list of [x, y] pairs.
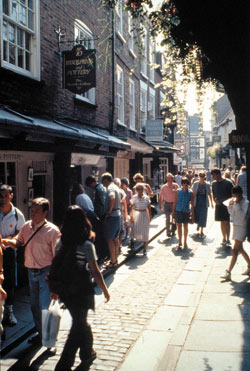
{"points": [[39, 237], [39, 294]]}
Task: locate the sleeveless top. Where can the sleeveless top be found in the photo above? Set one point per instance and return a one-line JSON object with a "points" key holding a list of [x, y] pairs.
{"points": [[183, 201]]}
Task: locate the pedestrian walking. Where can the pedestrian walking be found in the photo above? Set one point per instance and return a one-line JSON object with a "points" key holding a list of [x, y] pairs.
{"points": [[140, 215], [139, 178], [3, 294], [127, 190], [167, 195], [11, 221], [177, 178], [202, 194], [112, 222], [100, 205], [242, 180], [237, 208], [183, 211], [70, 281], [40, 237], [81, 199], [222, 191], [124, 210]]}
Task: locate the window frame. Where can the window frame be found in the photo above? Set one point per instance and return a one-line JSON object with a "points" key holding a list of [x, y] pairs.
{"points": [[120, 118], [144, 56], [132, 105], [119, 16], [151, 60], [90, 95], [151, 94], [35, 70], [143, 88]]}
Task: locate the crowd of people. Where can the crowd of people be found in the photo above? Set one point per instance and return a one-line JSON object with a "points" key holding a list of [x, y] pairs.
{"points": [[60, 261]]}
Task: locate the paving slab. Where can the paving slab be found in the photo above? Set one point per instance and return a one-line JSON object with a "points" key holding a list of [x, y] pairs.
{"points": [[227, 287], [213, 361], [151, 347], [166, 318], [179, 295], [190, 277], [217, 312], [215, 336]]}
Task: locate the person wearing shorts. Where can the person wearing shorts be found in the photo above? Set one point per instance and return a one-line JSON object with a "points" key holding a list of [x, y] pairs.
{"points": [[182, 211], [112, 221], [222, 191]]}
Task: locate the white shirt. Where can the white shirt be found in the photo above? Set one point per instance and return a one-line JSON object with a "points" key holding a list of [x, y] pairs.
{"points": [[11, 223]]}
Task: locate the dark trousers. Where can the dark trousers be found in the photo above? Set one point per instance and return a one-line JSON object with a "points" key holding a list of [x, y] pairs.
{"points": [[9, 266], [80, 336]]}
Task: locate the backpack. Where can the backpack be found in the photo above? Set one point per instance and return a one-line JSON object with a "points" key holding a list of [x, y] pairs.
{"points": [[69, 276]]}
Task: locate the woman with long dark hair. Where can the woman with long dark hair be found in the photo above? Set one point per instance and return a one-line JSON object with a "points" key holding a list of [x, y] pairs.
{"points": [[70, 281]]}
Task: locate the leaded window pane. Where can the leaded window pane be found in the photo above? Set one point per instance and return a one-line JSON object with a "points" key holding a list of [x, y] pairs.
{"points": [[31, 4], [5, 51], [11, 33], [23, 15], [6, 7], [28, 61], [31, 20], [14, 7], [27, 41], [12, 54], [20, 57], [20, 37]]}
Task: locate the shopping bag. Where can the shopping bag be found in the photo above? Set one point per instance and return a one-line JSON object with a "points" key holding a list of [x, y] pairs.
{"points": [[50, 324]]}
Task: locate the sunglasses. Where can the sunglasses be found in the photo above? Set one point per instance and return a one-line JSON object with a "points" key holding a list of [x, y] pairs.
{"points": [[185, 183], [202, 176]]}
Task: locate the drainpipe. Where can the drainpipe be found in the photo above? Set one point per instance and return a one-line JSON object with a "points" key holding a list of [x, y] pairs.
{"points": [[111, 126]]}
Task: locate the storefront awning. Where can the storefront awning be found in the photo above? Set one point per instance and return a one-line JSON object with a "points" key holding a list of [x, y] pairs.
{"points": [[165, 146], [139, 146], [13, 121]]}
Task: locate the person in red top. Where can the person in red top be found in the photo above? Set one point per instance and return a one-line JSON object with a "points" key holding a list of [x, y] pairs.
{"points": [[167, 194]]}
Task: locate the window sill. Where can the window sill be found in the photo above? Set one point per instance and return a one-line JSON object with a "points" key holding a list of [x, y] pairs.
{"points": [[121, 123], [121, 37], [132, 129], [144, 76], [79, 99], [19, 71], [132, 53]]}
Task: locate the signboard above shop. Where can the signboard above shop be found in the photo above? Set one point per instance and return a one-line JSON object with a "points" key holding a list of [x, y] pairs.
{"points": [[154, 130], [79, 69], [237, 139]]}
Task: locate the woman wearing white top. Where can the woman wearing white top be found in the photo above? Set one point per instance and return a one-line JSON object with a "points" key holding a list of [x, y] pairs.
{"points": [[237, 209], [140, 215]]}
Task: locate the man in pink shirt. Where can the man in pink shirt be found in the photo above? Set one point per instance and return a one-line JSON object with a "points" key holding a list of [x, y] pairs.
{"points": [[167, 194], [39, 253]]}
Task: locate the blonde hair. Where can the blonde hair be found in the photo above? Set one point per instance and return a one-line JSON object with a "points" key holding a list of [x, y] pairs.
{"points": [[138, 175], [139, 185]]}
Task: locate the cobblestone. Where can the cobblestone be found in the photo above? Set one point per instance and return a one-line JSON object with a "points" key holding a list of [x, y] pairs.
{"points": [[117, 324]]}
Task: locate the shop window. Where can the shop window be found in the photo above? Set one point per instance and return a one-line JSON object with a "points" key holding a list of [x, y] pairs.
{"points": [[21, 36], [8, 176]]}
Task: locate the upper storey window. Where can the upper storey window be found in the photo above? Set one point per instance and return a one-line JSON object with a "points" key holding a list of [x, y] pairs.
{"points": [[84, 36], [20, 41]]}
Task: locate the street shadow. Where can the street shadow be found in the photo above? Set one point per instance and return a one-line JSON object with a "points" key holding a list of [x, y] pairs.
{"points": [[138, 260], [185, 254], [38, 362], [223, 252], [25, 357], [242, 290]]}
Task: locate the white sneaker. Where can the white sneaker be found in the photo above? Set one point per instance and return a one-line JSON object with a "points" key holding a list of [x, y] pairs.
{"points": [[226, 276], [246, 272]]}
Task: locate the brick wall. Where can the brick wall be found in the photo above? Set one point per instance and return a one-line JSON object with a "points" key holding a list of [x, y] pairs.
{"points": [[47, 96]]}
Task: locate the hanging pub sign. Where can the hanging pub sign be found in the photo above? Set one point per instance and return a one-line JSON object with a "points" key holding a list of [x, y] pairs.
{"points": [[237, 139], [79, 69]]}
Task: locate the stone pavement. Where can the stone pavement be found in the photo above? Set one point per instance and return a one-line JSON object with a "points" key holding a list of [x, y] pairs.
{"points": [[168, 311]]}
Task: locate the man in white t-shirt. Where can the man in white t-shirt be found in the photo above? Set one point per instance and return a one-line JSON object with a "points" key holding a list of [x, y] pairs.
{"points": [[112, 222]]}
